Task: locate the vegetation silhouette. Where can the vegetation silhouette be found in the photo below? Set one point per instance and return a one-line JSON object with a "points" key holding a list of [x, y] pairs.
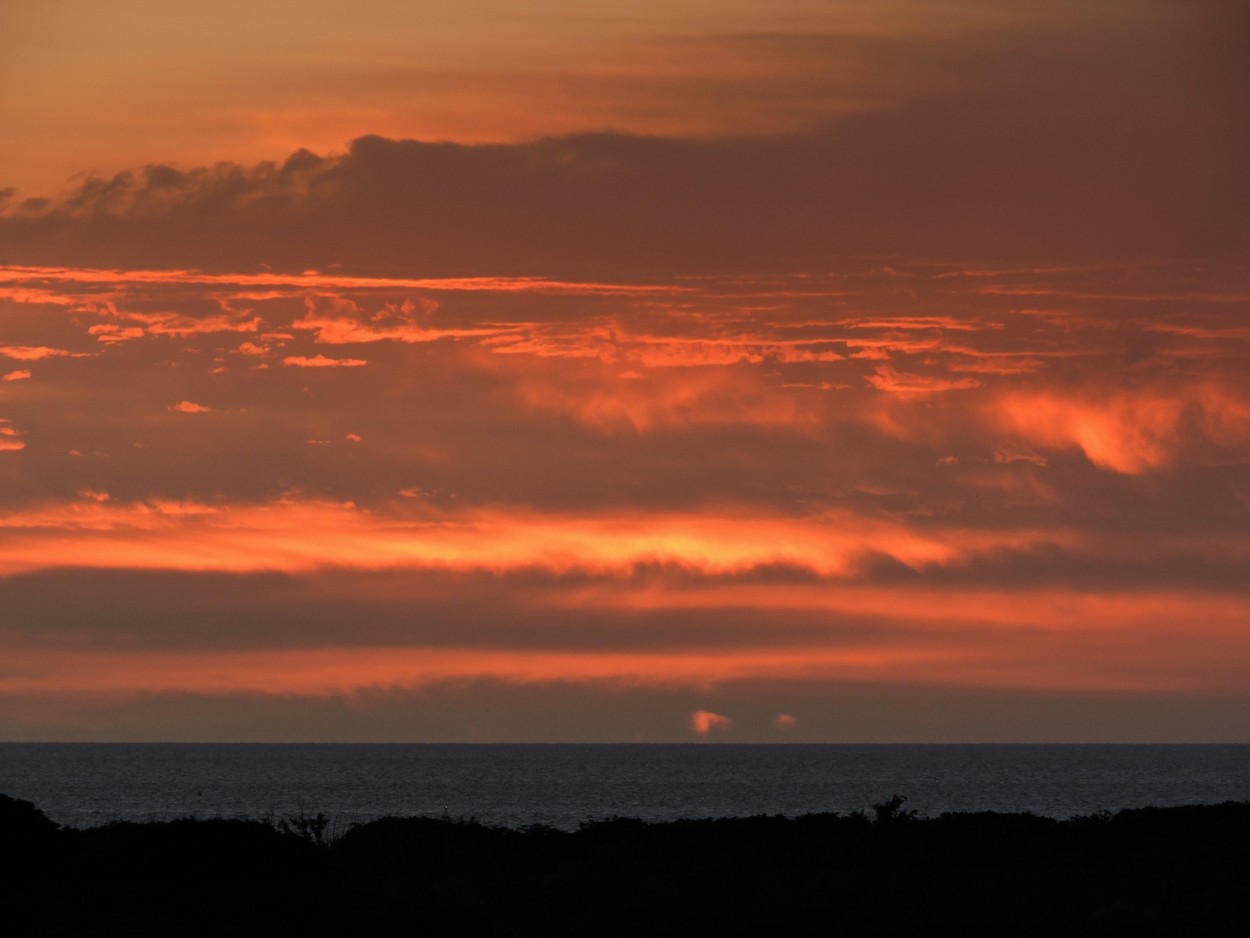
{"points": [[1148, 872]]}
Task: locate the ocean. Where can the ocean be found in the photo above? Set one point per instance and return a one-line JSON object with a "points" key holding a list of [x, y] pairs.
{"points": [[85, 784]]}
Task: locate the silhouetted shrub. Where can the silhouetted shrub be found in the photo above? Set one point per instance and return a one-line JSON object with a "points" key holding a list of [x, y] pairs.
{"points": [[314, 828], [216, 847], [892, 812], [416, 843], [1145, 872], [21, 822], [28, 838]]}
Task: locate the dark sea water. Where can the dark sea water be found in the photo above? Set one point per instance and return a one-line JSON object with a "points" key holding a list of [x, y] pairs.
{"points": [[562, 785]]}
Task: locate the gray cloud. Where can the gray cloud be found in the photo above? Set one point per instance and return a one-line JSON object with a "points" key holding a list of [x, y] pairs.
{"points": [[1075, 148]]}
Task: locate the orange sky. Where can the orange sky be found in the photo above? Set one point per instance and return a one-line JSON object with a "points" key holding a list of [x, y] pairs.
{"points": [[458, 371]]}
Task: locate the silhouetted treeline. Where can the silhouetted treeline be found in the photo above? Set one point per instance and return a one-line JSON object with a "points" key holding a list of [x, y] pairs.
{"points": [[1143, 872]]}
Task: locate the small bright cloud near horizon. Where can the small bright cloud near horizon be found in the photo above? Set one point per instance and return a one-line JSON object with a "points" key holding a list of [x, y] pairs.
{"points": [[654, 374], [704, 722]]}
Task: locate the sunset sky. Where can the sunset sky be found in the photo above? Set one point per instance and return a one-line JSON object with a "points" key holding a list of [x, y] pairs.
{"points": [[566, 370]]}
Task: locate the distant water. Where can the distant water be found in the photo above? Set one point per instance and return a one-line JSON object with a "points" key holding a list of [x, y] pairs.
{"points": [[562, 785]]}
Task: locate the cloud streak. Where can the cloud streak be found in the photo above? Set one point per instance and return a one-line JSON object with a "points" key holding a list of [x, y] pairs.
{"points": [[301, 536]]}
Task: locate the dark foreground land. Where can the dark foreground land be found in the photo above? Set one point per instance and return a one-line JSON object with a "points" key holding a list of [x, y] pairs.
{"points": [[1154, 871]]}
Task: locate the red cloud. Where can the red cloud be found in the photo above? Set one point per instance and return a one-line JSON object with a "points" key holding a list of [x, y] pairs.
{"points": [[296, 536], [911, 385], [9, 437], [705, 721], [32, 353], [1130, 432], [340, 321], [320, 361]]}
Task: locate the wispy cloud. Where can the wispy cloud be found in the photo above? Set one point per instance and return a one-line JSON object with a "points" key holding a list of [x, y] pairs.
{"points": [[321, 361]]}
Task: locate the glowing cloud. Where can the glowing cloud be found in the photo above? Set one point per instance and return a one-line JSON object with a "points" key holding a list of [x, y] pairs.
{"points": [[912, 385], [1128, 432], [32, 353], [301, 536], [9, 437], [190, 407], [704, 722], [320, 361]]}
